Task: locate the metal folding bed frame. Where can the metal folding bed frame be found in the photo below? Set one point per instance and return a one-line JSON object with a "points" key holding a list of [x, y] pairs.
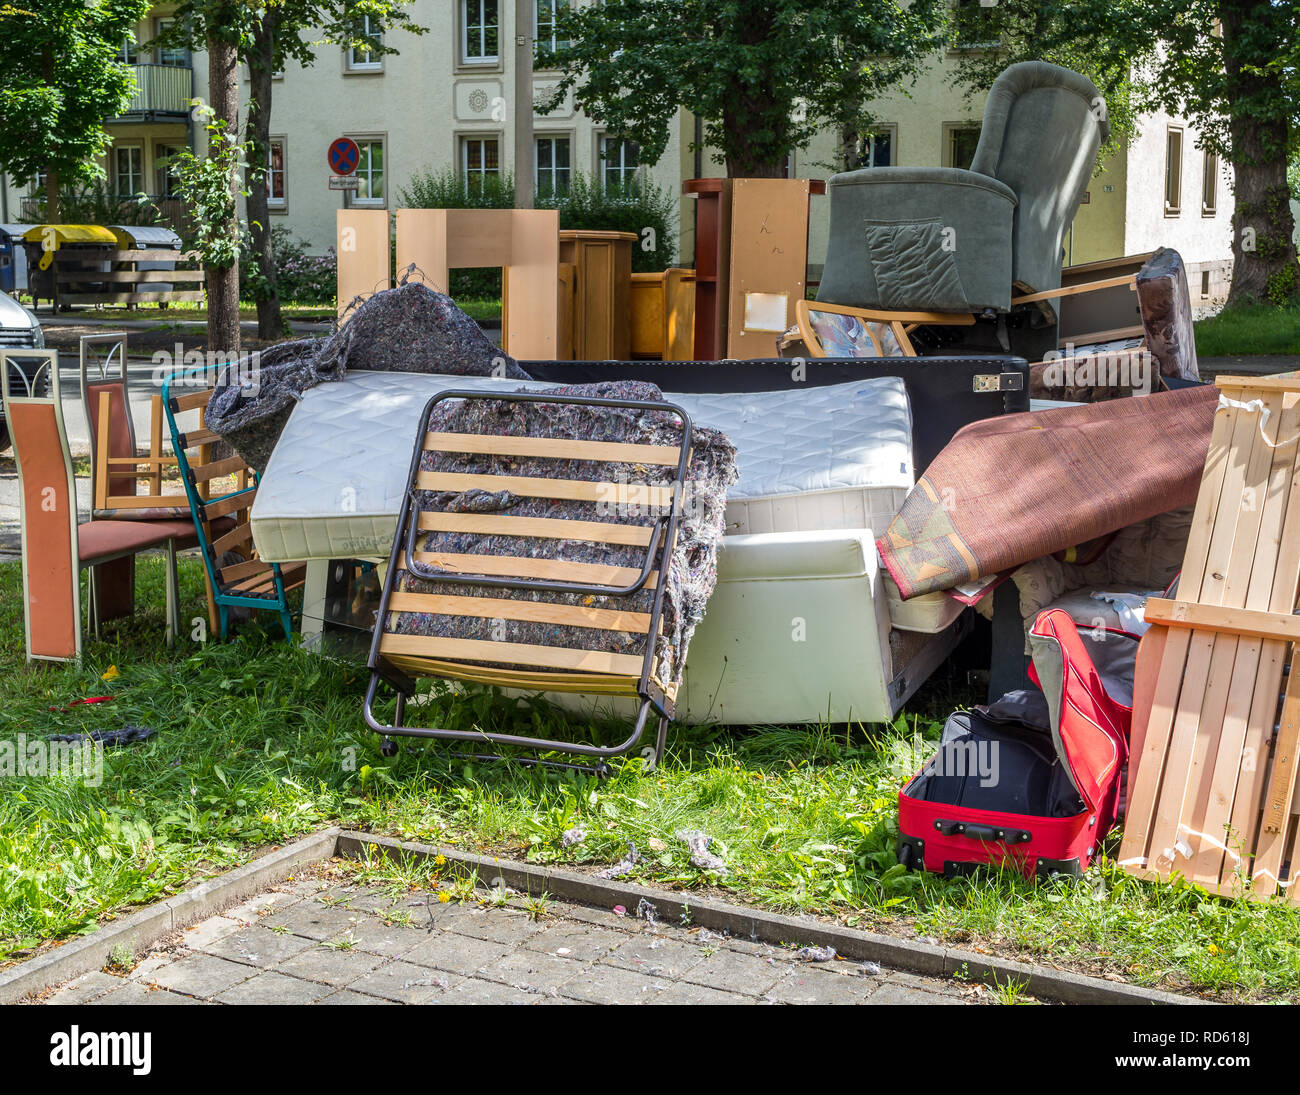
{"points": [[400, 659]]}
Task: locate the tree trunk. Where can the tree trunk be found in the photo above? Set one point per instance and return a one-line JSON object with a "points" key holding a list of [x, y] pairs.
{"points": [[850, 148], [53, 209], [261, 65], [223, 283], [1263, 229]]}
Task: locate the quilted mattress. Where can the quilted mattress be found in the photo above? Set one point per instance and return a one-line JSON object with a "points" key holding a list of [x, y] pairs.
{"points": [[834, 457]]}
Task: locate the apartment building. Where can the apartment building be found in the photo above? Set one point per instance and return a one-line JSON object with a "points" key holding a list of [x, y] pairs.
{"points": [[446, 100]]}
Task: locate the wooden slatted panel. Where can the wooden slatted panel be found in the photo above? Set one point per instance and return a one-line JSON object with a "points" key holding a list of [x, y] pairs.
{"points": [[641, 495], [1203, 774], [513, 566], [603, 532], [531, 611], [553, 448], [483, 650]]}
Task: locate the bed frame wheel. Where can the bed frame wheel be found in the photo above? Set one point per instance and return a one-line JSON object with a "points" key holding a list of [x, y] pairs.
{"points": [[388, 747]]}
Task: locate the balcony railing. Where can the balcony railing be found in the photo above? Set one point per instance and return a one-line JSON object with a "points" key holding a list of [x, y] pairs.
{"points": [[160, 91], [172, 212]]}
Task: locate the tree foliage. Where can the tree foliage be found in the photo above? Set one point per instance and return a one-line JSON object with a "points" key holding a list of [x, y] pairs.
{"points": [[1231, 66], [764, 75], [59, 79]]}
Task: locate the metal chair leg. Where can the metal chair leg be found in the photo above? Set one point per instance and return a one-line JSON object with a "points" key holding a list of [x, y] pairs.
{"points": [[173, 595]]}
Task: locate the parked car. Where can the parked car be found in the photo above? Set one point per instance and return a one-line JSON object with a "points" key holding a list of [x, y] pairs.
{"points": [[19, 329]]}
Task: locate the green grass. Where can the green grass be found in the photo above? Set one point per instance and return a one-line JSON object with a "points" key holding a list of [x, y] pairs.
{"points": [[259, 742], [1251, 329]]}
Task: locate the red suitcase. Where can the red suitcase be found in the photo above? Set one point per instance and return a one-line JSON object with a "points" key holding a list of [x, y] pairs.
{"points": [[1033, 780]]}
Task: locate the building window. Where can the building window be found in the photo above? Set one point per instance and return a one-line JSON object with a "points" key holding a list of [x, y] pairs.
{"points": [[551, 165], [480, 159], [959, 147], [480, 22], [275, 177], [171, 56], [164, 170], [1210, 186], [129, 51], [364, 59], [546, 18], [619, 160], [877, 149], [370, 172], [1173, 171], [128, 170]]}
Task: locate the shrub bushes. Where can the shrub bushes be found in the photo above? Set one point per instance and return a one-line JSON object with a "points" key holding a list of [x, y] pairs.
{"points": [[585, 205], [300, 277]]}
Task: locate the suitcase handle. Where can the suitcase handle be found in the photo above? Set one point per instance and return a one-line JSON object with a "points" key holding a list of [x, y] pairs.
{"points": [[983, 832]]}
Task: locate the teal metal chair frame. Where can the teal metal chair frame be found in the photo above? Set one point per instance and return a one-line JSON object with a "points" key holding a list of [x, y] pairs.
{"points": [[223, 596]]}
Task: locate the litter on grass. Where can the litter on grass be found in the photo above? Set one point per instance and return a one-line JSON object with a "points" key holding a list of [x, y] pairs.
{"points": [[623, 866], [698, 843], [127, 735]]}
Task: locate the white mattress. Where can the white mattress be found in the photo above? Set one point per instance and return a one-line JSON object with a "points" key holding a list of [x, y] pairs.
{"points": [[836, 457]]}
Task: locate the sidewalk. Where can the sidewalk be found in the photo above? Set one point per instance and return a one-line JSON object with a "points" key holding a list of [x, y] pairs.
{"points": [[310, 942]]}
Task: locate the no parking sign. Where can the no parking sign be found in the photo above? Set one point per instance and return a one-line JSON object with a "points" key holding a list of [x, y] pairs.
{"points": [[344, 155]]}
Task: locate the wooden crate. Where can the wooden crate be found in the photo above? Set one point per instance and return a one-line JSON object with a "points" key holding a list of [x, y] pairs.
{"points": [[1216, 721]]}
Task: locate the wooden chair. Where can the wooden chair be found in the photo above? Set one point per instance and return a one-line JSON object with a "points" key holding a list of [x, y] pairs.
{"points": [[1216, 713], [220, 516], [115, 460], [518, 583], [815, 318], [55, 544]]}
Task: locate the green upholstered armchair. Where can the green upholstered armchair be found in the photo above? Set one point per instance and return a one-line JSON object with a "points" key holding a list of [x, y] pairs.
{"points": [[947, 240]]}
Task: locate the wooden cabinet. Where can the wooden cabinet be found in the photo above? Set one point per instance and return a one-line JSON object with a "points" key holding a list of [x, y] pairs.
{"points": [[602, 263]]}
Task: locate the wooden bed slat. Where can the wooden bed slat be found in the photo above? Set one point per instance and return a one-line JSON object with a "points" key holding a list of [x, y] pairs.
{"points": [[532, 611], [553, 448], [513, 566], [482, 650], [573, 490], [603, 532]]}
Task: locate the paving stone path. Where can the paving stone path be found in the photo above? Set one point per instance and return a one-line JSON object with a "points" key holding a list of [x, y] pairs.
{"points": [[311, 941]]}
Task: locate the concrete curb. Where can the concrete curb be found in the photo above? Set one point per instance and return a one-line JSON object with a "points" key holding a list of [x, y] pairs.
{"points": [[902, 954], [141, 929], [215, 896]]}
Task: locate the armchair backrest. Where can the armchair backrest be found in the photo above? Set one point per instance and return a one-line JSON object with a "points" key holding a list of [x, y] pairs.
{"points": [[1043, 125]]}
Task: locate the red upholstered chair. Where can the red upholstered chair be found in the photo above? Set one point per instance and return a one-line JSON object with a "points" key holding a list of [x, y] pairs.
{"points": [[55, 545]]}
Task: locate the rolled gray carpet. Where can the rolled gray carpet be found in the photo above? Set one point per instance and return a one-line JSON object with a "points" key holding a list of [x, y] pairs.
{"points": [[410, 329]]}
